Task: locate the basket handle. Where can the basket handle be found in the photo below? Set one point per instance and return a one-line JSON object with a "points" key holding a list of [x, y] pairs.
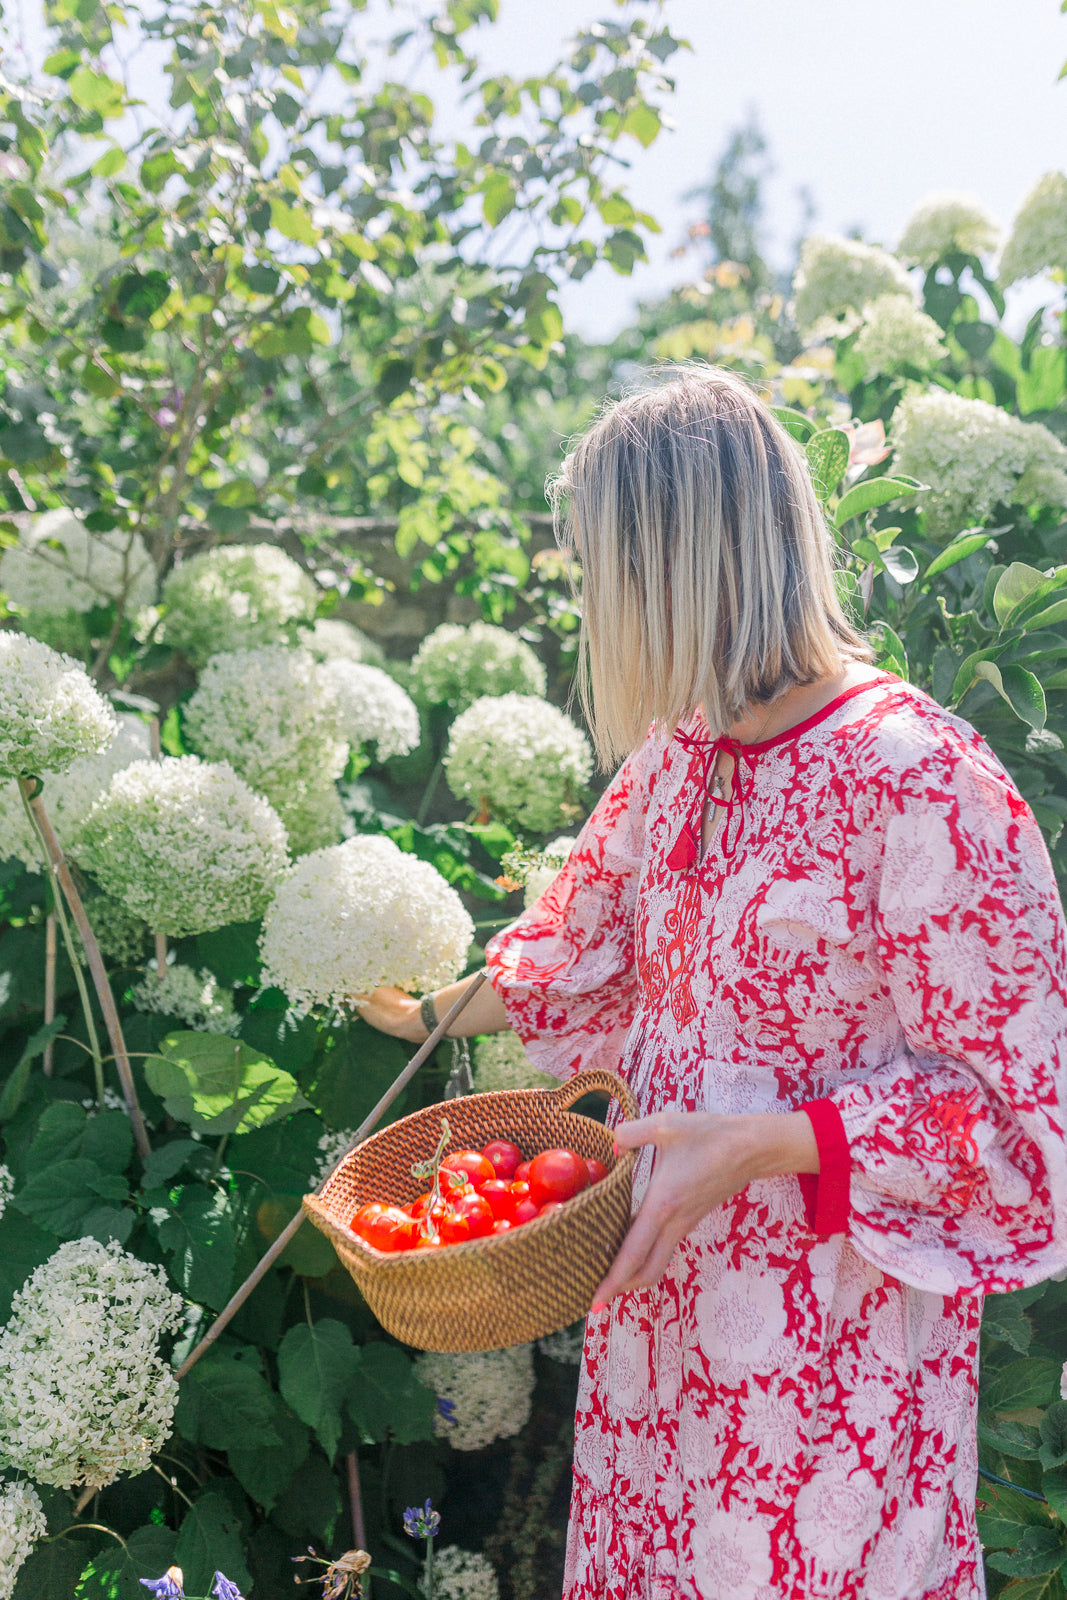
{"points": [[588, 1082]]}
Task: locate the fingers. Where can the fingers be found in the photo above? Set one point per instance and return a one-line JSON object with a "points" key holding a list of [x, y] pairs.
{"points": [[651, 1240], [646, 1130]]}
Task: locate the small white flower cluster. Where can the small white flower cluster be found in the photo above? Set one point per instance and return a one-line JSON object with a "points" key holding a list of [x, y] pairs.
{"points": [[947, 223], [456, 666], [490, 1393], [185, 844], [119, 932], [1038, 237], [548, 869], [462, 1575], [236, 597], [332, 639], [195, 998], [7, 1187], [50, 713], [520, 757], [358, 915], [973, 455], [564, 1347], [836, 276], [500, 1062], [84, 1396], [22, 1523], [371, 707], [332, 1147], [69, 796], [59, 566], [896, 334]]}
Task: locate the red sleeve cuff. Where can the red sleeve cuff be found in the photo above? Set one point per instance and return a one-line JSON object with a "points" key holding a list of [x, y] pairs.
{"points": [[826, 1192]]}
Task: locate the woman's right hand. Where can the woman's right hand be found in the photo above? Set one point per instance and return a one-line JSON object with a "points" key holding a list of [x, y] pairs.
{"points": [[391, 1011]]}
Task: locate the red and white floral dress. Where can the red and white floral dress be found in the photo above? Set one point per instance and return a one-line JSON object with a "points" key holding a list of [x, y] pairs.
{"points": [[874, 935]]}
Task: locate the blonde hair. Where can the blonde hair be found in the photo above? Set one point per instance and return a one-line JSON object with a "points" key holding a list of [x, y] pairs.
{"points": [[707, 564]]}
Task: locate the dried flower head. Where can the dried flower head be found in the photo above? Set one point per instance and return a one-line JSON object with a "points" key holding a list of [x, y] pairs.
{"points": [[836, 276], [491, 1393], [341, 1579], [456, 666], [84, 1396], [522, 758], [947, 224], [235, 598], [50, 712]]}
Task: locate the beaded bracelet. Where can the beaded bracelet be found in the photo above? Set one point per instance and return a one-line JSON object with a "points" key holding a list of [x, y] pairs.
{"points": [[428, 1013]]}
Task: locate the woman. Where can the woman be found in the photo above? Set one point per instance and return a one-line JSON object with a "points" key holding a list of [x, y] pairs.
{"points": [[814, 925]]}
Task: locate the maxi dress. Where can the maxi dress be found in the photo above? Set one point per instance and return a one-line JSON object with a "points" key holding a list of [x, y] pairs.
{"points": [[873, 935]]}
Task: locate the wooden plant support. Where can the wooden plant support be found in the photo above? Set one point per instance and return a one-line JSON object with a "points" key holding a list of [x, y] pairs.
{"points": [[49, 985]]}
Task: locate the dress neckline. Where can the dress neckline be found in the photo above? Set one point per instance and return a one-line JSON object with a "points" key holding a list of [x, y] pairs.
{"points": [[823, 712]]}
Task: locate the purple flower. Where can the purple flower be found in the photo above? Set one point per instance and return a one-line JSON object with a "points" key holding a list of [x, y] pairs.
{"points": [[225, 1590], [421, 1522], [169, 1586], [447, 1408]]}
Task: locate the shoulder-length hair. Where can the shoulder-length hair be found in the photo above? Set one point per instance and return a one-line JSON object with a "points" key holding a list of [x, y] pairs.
{"points": [[707, 567]]}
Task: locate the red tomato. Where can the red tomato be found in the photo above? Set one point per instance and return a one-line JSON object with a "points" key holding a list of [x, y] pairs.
{"points": [[502, 1225], [423, 1242], [525, 1211], [477, 1169], [505, 1157], [522, 1171], [553, 1205], [364, 1216], [453, 1229], [499, 1196], [392, 1230], [597, 1169], [419, 1207], [557, 1175], [479, 1215]]}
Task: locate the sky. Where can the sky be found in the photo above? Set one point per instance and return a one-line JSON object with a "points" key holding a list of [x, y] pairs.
{"points": [[869, 106]]}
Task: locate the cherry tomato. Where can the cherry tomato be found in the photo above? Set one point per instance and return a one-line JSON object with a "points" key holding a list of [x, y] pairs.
{"points": [[597, 1169], [553, 1205], [505, 1157], [391, 1230], [522, 1171], [479, 1215], [502, 1225], [499, 1196], [419, 1207], [424, 1242], [471, 1162], [519, 1189], [364, 1215], [453, 1229], [525, 1211], [557, 1175]]}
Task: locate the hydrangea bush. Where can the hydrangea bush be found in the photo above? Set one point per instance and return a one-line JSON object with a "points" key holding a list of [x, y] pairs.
{"points": [[372, 708], [455, 665], [896, 335], [195, 998], [837, 276], [520, 758], [69, 795], [1038, 239], [463, 1575], [488, 1394], [236, 597], [948, 223], [50, 712]]}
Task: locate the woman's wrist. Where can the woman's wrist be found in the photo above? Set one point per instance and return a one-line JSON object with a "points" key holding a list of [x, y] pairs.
{"points": [[777, 1143]]}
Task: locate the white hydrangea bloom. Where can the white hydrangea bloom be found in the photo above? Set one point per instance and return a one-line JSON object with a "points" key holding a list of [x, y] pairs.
{"points": [[50, 712], [22, 1523], [185, 844], [553, 860], [973, 455], [332, 1147], [196, 998], [501, 1062], [456, 665], [332, 639], [120, 934], [948, 222], [358, 915], [235, 597], [835, 276], [7, 1187], [313, 816], [490, 1393], [84, 1396], [372, 707], [1038, 237], [69, 795], [462, 1575], [58, 566], [521, 757], [564, 1347], [896, 334]]}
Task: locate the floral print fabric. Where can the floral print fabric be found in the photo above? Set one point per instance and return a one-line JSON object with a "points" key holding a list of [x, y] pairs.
{"points": [[789, 1413]]}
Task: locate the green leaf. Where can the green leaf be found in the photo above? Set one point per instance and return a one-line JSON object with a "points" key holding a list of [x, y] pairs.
{"points": [[66, 1131], [969, 666], [1040, 1550], [1049, 618], [890, 652], [795, 423], [141, 294], [15, 1087], [225, 1404], [963, 545], [387, 1399], [53, 1569], [210, 1540], [23, 1246], [865, 496], [1003, 1318], [293, 224], [282, 1157], [94, 91], [1015, 583], [1054, 1488], [168, 1159], [1054, 1435], [353, 1074], [220, 1085], [1018, 688], [1022, 1384], [74, 1199], [309, 1252], [115, 1572], [1042, 387], [1014, 1439], [498, 198], [23, 442], [827, 454], [643, 121], [199, 1240], [265, 1470], [900, 564], [231, 953], [316, 1369]]}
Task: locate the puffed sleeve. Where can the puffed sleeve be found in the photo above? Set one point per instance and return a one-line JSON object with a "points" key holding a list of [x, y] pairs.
{"points": [[948, 1164], [565, 970]]}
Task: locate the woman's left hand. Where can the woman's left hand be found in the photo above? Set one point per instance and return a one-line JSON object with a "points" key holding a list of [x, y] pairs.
{"points": [[702, 1159]]}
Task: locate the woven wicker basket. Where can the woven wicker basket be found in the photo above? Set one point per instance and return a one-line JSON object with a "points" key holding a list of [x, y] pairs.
{"points": [[508, 1288]]}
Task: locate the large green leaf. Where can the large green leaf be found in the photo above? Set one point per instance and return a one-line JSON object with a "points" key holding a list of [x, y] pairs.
{"points": [[795, 423], [874, 492], [219, 1085], [1018, 688], [317, 1368], [963, 545], [1039, 1551], [225, 1404], [827, 454], [354, 1072], [199, 1240], [1014, 585], [387, 1399], [74, 1199], [53, 1569], [1015, 1439], [66, 1132], [116, 1570], [15, 1087], [23, 1246], [209, 1540], [1021, 1384], [265, 1470], [1004, 1318], [1054, 1435]]}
